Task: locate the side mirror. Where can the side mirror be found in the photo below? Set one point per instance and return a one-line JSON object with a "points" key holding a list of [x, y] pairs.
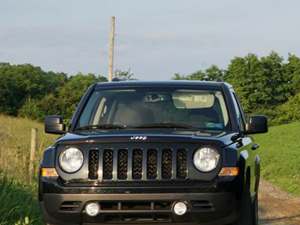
{"points": [[54, 125], [257, 124]]}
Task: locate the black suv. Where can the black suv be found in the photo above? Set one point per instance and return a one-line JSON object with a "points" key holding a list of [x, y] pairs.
{"points": [[153, 153]]}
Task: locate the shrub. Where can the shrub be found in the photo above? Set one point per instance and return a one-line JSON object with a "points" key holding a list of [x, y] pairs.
{"points": [[31, 109], [289, 111]]}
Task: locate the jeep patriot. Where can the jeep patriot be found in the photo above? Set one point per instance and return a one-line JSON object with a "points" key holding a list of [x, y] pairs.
{"points": [[176, 152]]}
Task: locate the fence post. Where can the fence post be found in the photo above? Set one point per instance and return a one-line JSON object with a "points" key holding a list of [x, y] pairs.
{"points": [[33, 149]]}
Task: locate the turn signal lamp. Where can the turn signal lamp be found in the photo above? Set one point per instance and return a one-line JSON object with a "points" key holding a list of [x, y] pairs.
{"points": [[49, 172], [229, 172]]}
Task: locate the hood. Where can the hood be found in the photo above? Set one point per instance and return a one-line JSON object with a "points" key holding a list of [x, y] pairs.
{"points": [[155, 136]]}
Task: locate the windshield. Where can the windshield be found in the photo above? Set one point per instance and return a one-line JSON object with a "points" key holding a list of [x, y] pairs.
{"points": [[155, 108]]}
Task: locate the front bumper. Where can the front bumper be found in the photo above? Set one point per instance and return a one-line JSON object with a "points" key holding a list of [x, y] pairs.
{"points": [[150, 208]]}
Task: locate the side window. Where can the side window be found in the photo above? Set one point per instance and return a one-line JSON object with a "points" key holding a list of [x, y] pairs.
{"points": [[240, 113]]}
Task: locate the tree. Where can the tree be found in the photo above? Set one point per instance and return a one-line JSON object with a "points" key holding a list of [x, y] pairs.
{"points": [[21, 82], [213, 73], [292, 69], [64, 102], [261, 83]]}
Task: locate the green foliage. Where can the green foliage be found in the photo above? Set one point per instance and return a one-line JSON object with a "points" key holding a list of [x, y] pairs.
{"points": [[19, 82], [280, 156], [289, 111], [69, 95], [31, 109], [265, 85], [64, 101], [260, 82], [292, 67], [18, 204], [243, 74], [29, 91]]}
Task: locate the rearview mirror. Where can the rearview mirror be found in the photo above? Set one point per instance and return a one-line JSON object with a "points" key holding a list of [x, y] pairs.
{"points": [[54, 125], [257, 124]]}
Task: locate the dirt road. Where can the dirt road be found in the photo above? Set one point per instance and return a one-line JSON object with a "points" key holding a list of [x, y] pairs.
{"points": [[278, 207]]}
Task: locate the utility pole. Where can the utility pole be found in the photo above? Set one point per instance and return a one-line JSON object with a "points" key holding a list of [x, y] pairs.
{"points": [[111, 49]]}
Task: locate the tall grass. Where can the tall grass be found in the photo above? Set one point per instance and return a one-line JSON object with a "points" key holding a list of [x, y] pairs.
{"points": [[19, 205], [18, 198], [15, 146]]}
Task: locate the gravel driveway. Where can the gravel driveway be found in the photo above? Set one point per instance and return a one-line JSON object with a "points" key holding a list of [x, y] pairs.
{"points": [[278, 207]]}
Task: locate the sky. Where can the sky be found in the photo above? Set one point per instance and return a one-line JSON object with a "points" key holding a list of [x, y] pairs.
{"points": [[154, 39]]}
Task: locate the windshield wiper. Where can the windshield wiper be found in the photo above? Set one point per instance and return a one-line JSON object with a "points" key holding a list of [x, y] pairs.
{"points": [[102, 127], [166, 125]]}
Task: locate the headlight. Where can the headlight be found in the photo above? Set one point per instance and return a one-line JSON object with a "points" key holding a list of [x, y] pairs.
{"points": [[206, 159], [71, 160]]}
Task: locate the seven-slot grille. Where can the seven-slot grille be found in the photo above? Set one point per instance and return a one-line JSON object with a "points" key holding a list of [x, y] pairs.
{"points": [[138, 164]]}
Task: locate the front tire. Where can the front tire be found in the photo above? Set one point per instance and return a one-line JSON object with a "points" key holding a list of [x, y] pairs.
{"points": [[248, 214], [255, 210]]}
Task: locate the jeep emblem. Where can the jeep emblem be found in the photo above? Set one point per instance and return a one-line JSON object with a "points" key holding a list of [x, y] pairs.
{"points": [[138, 138]]}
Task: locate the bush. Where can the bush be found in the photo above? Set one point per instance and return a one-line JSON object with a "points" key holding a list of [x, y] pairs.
{"points": [[289, 111], [31, 109]]}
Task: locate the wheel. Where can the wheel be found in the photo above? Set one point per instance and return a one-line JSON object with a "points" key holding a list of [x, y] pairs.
{"points": [[255, 210], [248, 214]]}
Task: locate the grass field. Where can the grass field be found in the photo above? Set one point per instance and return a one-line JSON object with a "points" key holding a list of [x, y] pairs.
{"points": [[15, 146], [280, 153]]}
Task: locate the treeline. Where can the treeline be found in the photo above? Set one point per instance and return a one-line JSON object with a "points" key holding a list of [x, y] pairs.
{"points": [[28, 91], [267, 85]]}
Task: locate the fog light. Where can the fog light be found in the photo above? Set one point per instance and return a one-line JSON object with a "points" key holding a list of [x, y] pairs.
{"points": [[180, 208], [92, 209]]}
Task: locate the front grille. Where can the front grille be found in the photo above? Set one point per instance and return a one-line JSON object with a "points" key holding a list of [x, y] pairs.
{"points": [[152, 164], [202, 206], [138, 164], [166, 168], [136, 212], [146, 206], [181, 163], [122, 164], [70, 206], [108, 164], [93, 164]]}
